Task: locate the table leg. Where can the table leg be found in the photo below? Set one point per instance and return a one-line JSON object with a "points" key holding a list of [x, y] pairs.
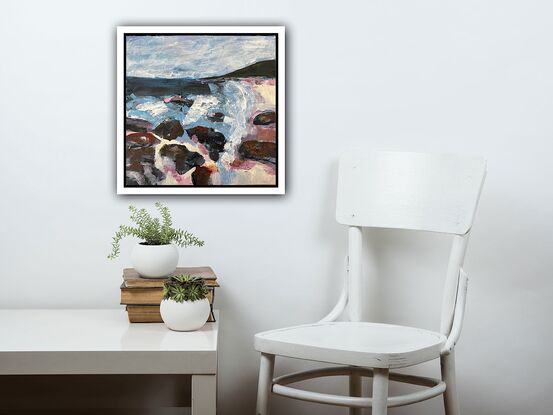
{"points": [[204, 394]]}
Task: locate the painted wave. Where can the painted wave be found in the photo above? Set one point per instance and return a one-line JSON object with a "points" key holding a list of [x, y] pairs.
{"points": [[228, 107]]}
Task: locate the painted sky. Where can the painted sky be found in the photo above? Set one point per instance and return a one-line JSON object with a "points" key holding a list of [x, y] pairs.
{"points": [[195, 56]]}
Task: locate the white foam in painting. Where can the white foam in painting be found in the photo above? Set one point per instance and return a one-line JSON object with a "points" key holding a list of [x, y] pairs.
{"points": [[238, 107], [200, 107], [154, 108]]}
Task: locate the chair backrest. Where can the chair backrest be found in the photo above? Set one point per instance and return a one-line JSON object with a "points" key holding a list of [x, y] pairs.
{"points": [[416, 191], [426, 192]]}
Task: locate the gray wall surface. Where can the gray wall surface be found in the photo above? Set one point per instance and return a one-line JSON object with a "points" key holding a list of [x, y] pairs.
{"points": [[470, 77]]}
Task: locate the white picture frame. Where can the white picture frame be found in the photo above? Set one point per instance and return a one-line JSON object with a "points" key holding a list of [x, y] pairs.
{"points": [[128, 185]]}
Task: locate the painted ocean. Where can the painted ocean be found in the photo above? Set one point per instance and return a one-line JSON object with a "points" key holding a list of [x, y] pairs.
{"points": [[197, 117]]}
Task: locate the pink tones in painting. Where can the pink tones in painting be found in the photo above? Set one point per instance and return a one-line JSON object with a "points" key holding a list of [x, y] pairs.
{"points": [[259, 81], [250, 164], [177, 99], [190, 126], [181, 179]]}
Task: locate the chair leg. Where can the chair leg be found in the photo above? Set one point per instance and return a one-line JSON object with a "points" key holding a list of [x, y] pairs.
{"points": [[355, 388], [265, 383], [451, 401], [380, 391]]}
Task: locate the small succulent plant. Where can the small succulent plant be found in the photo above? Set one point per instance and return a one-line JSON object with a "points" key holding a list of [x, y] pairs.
{"points": [[182, 288]]}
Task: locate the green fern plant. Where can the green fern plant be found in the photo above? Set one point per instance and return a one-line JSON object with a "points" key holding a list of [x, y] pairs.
{"points": [[182, 288], [153, 231]]}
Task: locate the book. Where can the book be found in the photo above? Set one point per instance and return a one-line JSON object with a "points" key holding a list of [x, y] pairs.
{"points": [[150, 314], [144, 314], [133, 280], [148, 296], [142, 296]]}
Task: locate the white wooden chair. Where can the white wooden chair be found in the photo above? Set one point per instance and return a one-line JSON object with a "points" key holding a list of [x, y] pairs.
{"points": [[436, 193]]}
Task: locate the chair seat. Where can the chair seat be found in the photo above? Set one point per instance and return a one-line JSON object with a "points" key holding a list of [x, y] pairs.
{"points": [[353, 343]]}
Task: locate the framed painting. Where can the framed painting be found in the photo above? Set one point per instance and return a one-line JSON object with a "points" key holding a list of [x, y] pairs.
{"points": [[200, 110]]}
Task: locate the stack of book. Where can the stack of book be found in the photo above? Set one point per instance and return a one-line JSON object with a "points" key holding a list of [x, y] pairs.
{"points": [[142, 296]]}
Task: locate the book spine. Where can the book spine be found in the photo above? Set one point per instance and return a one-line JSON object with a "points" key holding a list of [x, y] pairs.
{"points": [[149, 296], [154, 315]]}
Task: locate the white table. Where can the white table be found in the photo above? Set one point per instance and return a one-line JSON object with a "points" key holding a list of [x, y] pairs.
{"points": [[84, 342]]}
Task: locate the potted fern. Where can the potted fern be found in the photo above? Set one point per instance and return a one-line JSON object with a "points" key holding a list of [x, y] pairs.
{"points": [[156, 256], [185, 306]]}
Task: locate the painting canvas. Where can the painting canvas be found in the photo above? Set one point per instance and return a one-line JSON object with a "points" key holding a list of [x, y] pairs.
{"points": [[200, 110]]}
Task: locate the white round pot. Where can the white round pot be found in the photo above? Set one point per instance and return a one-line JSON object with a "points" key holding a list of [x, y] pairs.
{"points": [[185, 316], [154, 261]]}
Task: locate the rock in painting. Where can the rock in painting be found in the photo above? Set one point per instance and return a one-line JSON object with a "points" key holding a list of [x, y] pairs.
{"points": [[130, 179], [169, 129], [140, 155], [258, 150], [133, 140], [261, 133], [201, 176], [265, 118], [183, 158], [138, 125], [177, 99], [138, 174], [214, 141], [140, 168], [216, 117]]}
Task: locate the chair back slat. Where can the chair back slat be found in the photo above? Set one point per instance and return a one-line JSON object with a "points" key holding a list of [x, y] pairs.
{"points": [[415, 191]]}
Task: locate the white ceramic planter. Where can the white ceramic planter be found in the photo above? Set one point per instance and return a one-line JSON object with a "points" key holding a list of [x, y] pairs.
{"points": [[154, 261], [185, 316]]}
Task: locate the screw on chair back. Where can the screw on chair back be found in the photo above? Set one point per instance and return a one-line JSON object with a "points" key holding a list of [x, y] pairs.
{"points": [[425, 192]]}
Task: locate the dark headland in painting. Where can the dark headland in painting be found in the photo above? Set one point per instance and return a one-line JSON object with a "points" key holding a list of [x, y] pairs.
{"points": [[266, 69], [166, 86], [163, 86]]}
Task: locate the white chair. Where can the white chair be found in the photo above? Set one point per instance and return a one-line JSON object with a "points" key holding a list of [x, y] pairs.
{"points": [[437, 193]]}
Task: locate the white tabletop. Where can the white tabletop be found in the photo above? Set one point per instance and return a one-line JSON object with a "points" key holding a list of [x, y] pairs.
{"points": [[100, 341]]}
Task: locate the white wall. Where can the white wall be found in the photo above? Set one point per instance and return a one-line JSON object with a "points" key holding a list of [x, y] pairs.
{"points": [[470, 77]]}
